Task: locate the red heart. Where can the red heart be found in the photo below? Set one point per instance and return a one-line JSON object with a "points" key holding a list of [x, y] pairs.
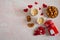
{"points": [[44, 5], [25, 10], [30, 6], [36, 3]]}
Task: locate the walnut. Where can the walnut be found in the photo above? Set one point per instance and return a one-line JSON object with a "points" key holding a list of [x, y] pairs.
{"points": [[28, 18], [30, 24]]}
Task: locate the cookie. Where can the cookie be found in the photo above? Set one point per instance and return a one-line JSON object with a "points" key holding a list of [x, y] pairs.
{"points": [[30, 24], [28, 18], [40, 20], [34, 11]]}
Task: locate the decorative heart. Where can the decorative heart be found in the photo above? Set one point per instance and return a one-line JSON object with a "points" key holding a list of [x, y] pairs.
{"points": [[30, 6], [44, 5], [25, 10], [39, 8], [36, 3]]}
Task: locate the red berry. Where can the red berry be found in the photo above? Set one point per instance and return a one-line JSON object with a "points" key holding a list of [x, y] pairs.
{"points": [[39, 8], [41, 13], [44, 5], [25, 10], [30, 6], [36, 3]]}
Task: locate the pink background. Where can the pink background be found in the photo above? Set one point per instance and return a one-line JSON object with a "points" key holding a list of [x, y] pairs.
{"points": [[13, 24]]}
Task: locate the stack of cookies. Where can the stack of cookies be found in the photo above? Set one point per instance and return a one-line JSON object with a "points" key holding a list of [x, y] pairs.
{"points": [[52, 12]]}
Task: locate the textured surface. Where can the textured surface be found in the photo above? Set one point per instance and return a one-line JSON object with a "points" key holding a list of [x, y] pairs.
{"points": [[13, 24]]}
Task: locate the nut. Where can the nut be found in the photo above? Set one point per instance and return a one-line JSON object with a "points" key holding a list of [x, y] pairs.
{"points": [[28, 18], [30, 24]]}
